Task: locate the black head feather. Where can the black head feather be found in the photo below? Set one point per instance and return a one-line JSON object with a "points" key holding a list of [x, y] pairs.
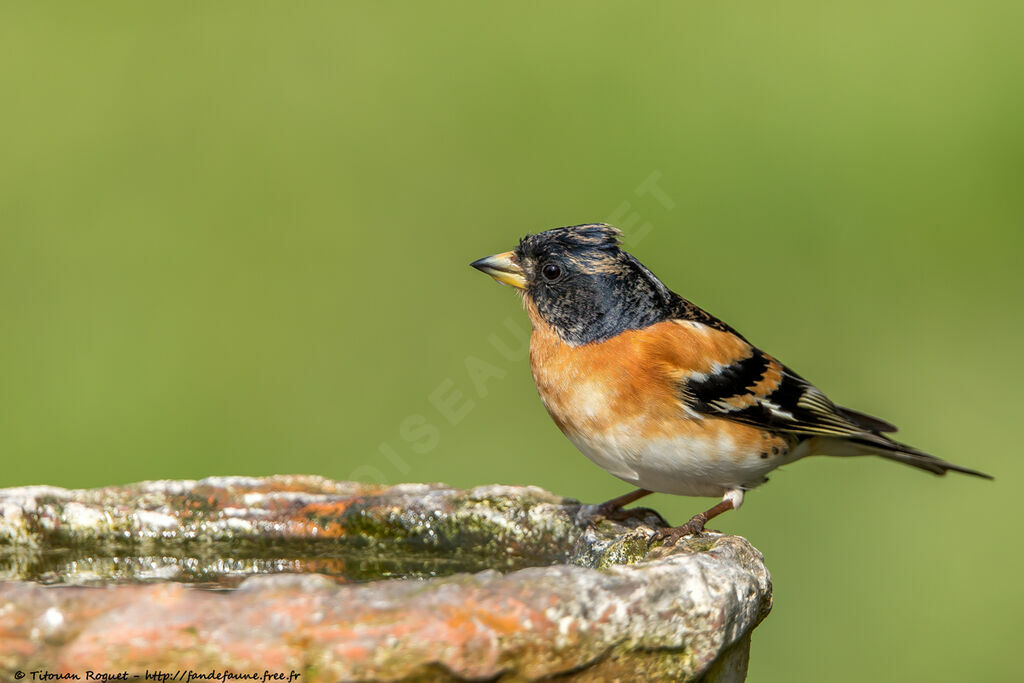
{"points": [[587, 288]]}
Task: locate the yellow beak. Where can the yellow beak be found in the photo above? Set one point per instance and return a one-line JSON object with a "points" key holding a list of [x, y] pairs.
{"points": [[503, 268]]}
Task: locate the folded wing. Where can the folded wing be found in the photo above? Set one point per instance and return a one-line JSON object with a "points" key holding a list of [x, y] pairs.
{"points": [[753, 388], [758, 390]]}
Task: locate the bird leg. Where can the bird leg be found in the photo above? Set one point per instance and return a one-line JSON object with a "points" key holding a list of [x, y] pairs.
{"points": [[616, 504], [612, 509], [695, 527]]}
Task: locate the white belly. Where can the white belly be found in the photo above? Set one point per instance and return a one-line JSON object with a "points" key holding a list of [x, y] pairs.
{"points": [[706, 464]]}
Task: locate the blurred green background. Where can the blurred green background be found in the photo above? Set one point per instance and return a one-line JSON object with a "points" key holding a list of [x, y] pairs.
{"points": [[234, 240]]}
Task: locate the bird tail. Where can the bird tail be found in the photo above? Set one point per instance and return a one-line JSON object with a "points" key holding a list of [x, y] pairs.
{"points": [[878, 444]]}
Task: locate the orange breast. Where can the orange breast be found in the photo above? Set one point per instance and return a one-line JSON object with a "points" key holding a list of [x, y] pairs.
{"points": [[633, 379]]}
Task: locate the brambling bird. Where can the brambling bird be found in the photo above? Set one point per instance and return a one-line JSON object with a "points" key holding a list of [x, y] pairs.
{"points": [[662, 394]]}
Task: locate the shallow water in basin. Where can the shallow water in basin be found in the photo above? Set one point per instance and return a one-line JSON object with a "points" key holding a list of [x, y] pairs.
{"points": [[227, 564]]}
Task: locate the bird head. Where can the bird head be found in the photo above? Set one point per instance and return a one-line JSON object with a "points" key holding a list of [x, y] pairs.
{"points": [[579, 281]]}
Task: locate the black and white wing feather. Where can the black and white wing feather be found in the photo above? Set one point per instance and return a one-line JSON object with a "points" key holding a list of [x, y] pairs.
{"points": [[760, 391], [757, 390]]}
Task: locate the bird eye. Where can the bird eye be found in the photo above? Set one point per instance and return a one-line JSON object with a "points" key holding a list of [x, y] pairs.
{"points": [[551, 272]]}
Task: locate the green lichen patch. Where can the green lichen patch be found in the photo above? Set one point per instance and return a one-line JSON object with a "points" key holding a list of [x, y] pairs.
{"points": [[629, 548]]}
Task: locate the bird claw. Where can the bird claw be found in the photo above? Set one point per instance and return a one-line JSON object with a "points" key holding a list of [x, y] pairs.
{"points": [[620, 514], [671, 535]]}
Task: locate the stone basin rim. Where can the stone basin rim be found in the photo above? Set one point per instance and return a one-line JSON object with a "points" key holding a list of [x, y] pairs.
{"points": [[610, 602], [159, 514]]}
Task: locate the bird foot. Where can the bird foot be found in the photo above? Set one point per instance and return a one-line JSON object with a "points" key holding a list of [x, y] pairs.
{"points": [[671, 536], [621, 514]]}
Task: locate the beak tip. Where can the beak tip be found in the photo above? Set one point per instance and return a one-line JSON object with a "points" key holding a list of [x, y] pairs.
{"points": [[503, 268]]}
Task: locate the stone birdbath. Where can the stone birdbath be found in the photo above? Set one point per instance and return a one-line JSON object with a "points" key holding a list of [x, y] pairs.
{"points": [[300, 578]]}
